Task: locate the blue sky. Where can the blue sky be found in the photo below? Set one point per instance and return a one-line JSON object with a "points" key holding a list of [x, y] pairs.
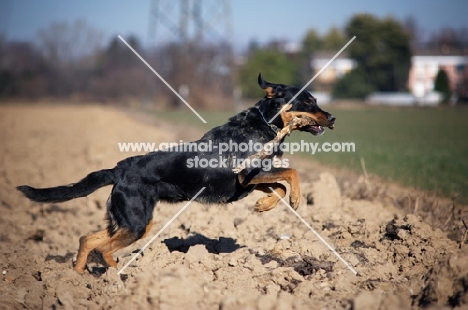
{"points": [[261, 20]]}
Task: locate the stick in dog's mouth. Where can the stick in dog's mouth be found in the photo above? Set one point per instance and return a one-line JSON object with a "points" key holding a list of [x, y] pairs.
{"points": [[301, 122]]}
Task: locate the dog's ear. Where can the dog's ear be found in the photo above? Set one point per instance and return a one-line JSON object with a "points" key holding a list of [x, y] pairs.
{"points": [[269, 88]]}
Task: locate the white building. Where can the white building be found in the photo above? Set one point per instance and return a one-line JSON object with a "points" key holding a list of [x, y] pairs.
{"points": [[424, 71]]}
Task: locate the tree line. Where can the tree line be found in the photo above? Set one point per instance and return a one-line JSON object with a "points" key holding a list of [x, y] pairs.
{"points": [[70, 61]]}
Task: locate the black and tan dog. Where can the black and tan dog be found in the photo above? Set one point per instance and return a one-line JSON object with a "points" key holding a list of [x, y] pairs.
{"points": [[140, 181]]}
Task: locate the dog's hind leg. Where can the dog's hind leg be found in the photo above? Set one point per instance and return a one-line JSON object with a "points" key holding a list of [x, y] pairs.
{"points": [[87, 244], [106, 245], [130, 215], [270, 201], [120, 240]]}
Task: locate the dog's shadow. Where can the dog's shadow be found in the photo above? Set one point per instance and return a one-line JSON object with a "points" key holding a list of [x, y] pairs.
{"points": [[214, 246]]}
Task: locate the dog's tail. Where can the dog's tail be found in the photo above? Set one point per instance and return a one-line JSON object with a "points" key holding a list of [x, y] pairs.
{"points": [[83, 188]]}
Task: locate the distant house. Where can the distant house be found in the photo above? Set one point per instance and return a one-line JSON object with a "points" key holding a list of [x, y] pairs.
{"points": [[424, 70]]}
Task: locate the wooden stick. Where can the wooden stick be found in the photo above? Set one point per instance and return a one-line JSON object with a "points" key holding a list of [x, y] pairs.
{"points": [[295, 123]]}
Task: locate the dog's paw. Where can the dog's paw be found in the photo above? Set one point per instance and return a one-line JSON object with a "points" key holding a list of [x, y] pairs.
{"points": [[265, 204], [79, 269]]}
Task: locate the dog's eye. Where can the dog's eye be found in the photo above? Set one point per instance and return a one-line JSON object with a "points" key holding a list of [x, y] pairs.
{"points": [[310, 101]]}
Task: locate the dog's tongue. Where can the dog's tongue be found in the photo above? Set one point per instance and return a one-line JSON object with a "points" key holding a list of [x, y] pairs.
{"points": [[315, 129]]}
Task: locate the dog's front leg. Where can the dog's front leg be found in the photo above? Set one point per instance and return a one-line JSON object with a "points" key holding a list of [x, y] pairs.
{"points": [[267, 178]]}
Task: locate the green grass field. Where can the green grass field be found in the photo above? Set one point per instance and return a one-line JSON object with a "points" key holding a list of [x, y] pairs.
{"points": [[426, 148]]}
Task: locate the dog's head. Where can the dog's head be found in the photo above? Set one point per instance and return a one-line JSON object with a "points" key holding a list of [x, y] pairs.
{"points": [[278, 95]]}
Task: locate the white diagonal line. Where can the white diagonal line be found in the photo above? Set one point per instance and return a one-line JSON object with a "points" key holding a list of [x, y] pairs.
{"points": [[161, 230], [315, 76], [161, 78], [316, 233]]}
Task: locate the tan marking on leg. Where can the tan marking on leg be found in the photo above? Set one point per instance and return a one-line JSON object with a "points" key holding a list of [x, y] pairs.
{"points": [[120, 240], [148, 229], [87, 244], [106, 245]]}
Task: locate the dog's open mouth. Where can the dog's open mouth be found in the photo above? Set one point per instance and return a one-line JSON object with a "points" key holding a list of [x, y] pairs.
{"points": [[315, 128]]}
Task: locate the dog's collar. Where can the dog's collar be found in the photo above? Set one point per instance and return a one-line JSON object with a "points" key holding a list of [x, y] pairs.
{"points": [[272, 126]]}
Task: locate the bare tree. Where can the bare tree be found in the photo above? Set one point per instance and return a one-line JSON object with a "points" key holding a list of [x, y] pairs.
{"points": [[68, 50], [65, 43]]}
